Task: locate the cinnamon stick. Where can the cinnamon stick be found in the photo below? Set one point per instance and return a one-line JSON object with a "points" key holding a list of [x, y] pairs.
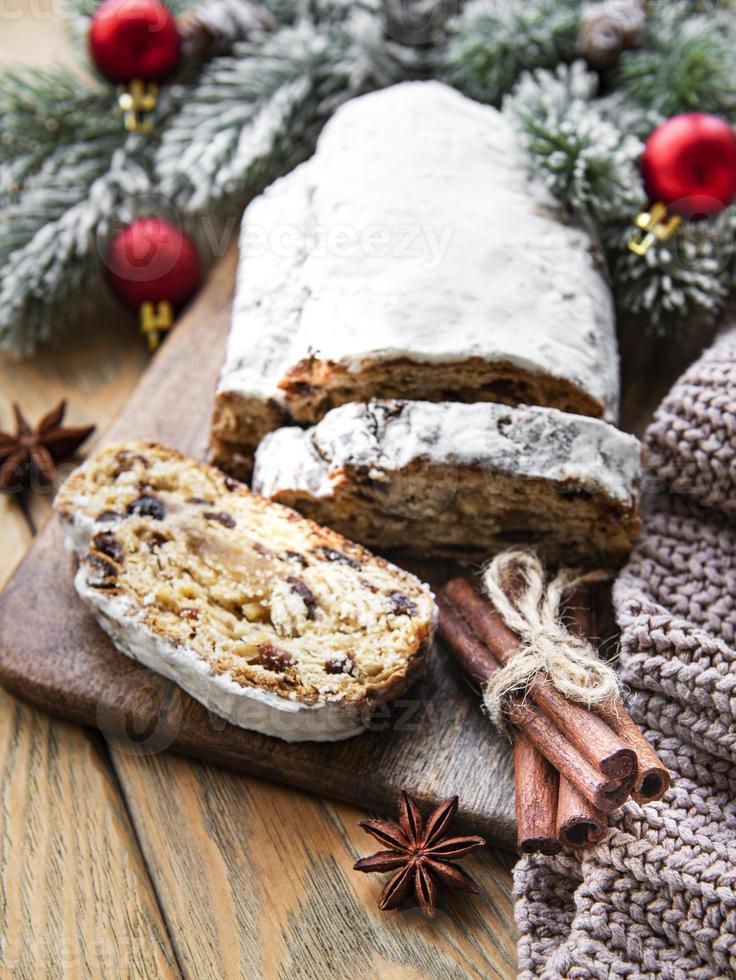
{"points": [[587, 732], [604, 792], [652, 778], [536, 799], [579, 824], [480, 665]]}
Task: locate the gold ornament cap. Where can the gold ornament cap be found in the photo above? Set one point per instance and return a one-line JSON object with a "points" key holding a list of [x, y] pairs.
{"points": [[156, 319]]}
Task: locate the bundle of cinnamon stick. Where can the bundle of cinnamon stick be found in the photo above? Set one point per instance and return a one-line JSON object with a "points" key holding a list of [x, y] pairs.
{"points": [[573, 765]]}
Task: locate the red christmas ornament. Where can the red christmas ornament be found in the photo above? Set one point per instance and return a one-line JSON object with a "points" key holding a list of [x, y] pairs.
{"points": [[134, 39], [689, 164], [689, 171], [135, 43], [153, 267]]}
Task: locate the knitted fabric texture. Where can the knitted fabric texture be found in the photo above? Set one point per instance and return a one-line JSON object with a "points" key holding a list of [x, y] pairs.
{"points": [[657, 898]]}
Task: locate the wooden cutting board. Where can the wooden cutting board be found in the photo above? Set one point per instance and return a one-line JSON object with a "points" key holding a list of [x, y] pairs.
{"points": [[435, 741]]}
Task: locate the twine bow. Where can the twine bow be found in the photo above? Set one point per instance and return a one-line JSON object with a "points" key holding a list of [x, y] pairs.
{"points": [[515, 583]]}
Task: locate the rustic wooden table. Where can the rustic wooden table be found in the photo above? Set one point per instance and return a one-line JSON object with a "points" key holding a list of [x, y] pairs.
{"points": [[113, 864]]}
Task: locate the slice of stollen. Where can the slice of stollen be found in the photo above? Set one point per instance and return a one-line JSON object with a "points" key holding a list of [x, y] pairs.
{"points": [[462, 481], [269, 620]]}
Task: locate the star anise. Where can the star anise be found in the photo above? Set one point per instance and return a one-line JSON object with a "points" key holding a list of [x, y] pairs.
{"points": [[37, 451], [419, 853]]}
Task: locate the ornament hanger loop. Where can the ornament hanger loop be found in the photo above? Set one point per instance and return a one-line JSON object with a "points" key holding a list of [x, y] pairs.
{"points": [[656, 224], [136, 99], [156, 318]]}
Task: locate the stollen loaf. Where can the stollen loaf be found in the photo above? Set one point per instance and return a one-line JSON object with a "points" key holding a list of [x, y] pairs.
{"points": [[412, 256]]}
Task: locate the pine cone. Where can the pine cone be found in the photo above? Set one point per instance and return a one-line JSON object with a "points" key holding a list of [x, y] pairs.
{"points": [[213, 26], [607, 29], [417, 23]]}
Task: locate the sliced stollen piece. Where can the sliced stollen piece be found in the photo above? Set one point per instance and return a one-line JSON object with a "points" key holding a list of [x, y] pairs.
{"points": [[272, 622], [463, 481], [412, 256]]}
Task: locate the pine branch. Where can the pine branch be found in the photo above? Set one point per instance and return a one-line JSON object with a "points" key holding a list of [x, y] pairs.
{"points": [[584, 159], [686, 63], [59, 198], [270, 100], [44, 113], [43, 280], [68, 171], [493, 41], [228, 133], [52, 235], [689, 275], [591, 165]]}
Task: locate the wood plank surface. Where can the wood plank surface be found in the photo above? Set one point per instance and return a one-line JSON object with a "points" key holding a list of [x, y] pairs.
{"points": [[257, 880], [434, 741], [75, 895]]}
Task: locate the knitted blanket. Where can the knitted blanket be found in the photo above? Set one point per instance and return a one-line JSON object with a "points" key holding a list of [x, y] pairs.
{"points": [[658, 897]]}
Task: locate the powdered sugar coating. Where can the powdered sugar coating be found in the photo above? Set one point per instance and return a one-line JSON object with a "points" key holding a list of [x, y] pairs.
{"points": [[416, 232], [269, 294], [384, 437]]}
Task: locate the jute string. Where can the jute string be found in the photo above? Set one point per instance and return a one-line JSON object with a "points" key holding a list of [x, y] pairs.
{"points": [[515, 583]]}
